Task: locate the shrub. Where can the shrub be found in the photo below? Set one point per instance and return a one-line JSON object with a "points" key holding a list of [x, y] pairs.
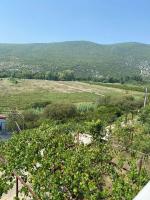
{"points": [[109, 113], [60, 111], [40, 104], [145, 115], [96, 129], [128, 104], [31, 119]]}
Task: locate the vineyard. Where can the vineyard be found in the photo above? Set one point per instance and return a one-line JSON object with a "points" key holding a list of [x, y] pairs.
{"points": [[45, 153]]}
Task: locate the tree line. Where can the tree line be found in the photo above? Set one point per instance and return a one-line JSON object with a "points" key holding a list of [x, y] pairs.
{"points": [[67, 75]]}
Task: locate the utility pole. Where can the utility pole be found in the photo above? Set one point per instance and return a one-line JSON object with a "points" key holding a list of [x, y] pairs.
{"points": [[17, 187], [145, 98]]}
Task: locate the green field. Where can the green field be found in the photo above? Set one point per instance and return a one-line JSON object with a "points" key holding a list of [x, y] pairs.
{"points": [[26, 92]]}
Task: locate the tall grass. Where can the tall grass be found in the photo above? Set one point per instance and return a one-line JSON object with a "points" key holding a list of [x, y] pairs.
{"points": [[85, 106]]}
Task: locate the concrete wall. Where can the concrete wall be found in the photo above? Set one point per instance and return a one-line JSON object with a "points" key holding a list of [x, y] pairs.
{"points": [[144, 194]]}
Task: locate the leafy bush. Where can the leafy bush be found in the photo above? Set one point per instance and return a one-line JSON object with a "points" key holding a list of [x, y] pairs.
{"points": [[128, 104], [110, 113], [30, 119], [145, 115], [60, 111], [40, 104], [96, 129]]}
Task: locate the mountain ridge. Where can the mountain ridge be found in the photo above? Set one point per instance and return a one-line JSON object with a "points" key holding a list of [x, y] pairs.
{"points": [[74, 41], [85, 58]]}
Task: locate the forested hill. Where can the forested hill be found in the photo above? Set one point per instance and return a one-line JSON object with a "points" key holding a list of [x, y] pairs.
{"points": [[83, 58]]}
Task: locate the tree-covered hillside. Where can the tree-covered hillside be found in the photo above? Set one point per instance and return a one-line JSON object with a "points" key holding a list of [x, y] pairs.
{"points": [[83, 58]]}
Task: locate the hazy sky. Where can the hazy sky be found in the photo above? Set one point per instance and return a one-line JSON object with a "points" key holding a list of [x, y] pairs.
{"points": [[102, 21]]}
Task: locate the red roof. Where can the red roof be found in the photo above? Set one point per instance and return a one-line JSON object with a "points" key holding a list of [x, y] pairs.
{"points": [[2, 117]]}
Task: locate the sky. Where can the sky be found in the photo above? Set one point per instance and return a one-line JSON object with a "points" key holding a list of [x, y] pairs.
{"points": [[101, 21]]}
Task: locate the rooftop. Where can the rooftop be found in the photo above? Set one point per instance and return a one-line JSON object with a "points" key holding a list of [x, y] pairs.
{"points": [[2, 117]]}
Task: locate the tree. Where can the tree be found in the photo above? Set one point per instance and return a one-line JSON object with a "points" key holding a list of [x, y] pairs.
{"points": [[67, 75]]}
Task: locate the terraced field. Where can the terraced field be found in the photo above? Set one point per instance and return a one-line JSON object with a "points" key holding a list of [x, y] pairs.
{"points": [[25, 92]]}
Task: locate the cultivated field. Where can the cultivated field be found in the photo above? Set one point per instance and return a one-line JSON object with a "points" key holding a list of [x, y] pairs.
{"points": [[25, 92]]}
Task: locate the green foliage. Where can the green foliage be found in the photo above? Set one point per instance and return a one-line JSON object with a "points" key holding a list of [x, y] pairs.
{"points": [[125, 135], [31, 119], [25, 100], [109, 113], [104, 100], [128, 87], [142, 143], [85, 107], [13, 80], [42, 104], [80, 59], [145, 115], [66, 75], [25, 120], [128, 104], [60, 111], [96, 128], [58, 169], [127, 185]]}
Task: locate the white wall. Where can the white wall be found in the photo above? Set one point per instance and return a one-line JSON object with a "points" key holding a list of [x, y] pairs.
{"points": [[144, 194]]}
